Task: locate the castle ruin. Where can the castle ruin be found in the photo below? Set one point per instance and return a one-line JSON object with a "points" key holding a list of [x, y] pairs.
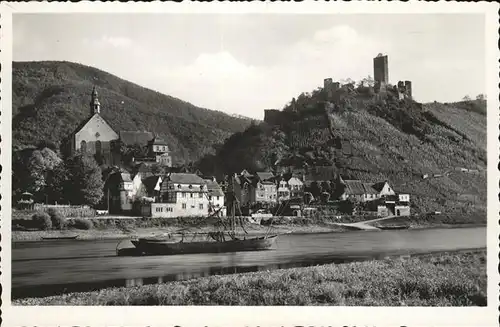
{"points": [[334, 93]]}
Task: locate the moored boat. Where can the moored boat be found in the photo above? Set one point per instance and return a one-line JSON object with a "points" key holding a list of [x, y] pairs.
{"points": [[59, 237], [216, 242], [168, 247]]}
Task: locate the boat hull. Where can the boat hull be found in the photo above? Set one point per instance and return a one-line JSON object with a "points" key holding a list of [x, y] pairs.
{"points": [[159, 247]]}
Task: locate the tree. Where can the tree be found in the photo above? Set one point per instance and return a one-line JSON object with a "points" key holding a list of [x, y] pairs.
{"points": [[466, 98], [58, 186], [481, 97], [316, 189], [40, 163], [308, 197], [367, 82], [86, 181], [325, 197]]}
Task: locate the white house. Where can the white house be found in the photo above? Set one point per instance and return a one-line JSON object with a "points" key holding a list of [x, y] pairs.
{"points": [[283, 191], [296, 187], [181, 195]]}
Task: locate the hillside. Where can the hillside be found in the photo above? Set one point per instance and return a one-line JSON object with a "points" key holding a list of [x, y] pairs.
{"points": [[373, 140], [51, 98]]}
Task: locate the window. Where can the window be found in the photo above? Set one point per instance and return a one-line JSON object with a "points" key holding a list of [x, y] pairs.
{"points": [[98, 147], [179, 186], [190, 195], [183, 194], [183, 206], [200, 195], [201, 206], [218, 198], [83, 146]]}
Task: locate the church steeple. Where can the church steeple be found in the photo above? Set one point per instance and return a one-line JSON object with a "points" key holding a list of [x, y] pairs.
{"points": [[95, 106]]}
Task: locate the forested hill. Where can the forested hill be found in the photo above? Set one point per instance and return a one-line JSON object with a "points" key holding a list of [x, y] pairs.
{"points": [[374, 140], [50, 99]]}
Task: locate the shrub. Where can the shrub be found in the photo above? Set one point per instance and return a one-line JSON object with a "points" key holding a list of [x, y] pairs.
{"points": [[42, 221], [57, 218], [82, 223]]}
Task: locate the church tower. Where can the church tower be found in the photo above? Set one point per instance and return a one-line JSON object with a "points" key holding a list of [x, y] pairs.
{"points": [[95, 106]]}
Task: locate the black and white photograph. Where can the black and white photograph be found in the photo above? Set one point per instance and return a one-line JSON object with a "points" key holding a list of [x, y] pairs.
{"points": [[310, 158]]}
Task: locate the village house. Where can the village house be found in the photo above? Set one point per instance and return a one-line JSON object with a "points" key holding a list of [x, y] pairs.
{"points": [[181, 195], [363, 192], [265, 188], [290, 187], [122, 190], [383, 198], [215, 197], [254, 188], [119, 192], [283, 191], [242, 186], [156, 149]]}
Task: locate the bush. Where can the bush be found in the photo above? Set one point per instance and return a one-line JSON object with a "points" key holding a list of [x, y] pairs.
{"points": [[81, 223], [57, 218], [42, 221]]}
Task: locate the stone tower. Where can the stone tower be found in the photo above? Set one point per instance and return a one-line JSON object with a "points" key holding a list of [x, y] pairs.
{"points": [[408, 89], [381, 69], [330, 88], [95, 106]]}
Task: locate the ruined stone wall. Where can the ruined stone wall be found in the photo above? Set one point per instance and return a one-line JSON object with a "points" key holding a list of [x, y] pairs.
{"points": [[404, 90], [330, 88], [309, 132]]}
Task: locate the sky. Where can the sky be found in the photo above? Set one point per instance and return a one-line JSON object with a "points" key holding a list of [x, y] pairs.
{"points": [[245, 63]]}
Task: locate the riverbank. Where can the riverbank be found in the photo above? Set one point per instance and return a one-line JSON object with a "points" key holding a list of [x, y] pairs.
{"points": [[117, 233], [253, 230], [446, 279], [127, 227]]}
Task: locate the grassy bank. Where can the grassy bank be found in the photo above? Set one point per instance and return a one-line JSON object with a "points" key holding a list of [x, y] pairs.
{"points": [[450, 279]]}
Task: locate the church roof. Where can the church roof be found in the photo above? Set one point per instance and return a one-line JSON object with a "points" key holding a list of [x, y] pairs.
{"points": [[85, 122], [136, 137]]}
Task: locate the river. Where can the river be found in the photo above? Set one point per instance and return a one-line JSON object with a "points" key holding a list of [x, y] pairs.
{"points": [[55, 267]]}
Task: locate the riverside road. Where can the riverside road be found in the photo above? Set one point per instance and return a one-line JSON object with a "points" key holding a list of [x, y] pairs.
{"points": [[52, 267]]}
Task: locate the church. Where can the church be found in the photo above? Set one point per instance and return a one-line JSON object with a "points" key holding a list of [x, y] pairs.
{"points": [[96, 137]]}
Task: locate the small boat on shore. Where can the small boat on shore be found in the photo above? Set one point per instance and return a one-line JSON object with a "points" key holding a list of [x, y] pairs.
{"points": [[48, 238], [393, 227]]}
